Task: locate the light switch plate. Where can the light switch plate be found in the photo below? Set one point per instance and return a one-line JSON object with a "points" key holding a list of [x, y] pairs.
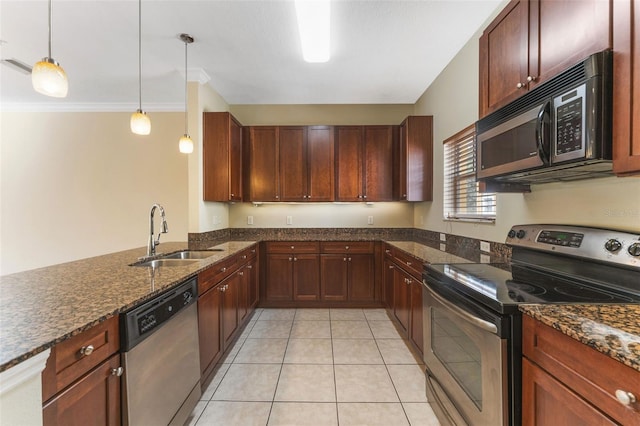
{"points": [[370, 220], [443, 237], [249, 220], [485, 246], [485, 258], [443, 247], [289, 220]]}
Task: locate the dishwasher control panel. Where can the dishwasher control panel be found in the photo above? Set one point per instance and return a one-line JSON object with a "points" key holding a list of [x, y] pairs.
{"points": [[141, 321]]}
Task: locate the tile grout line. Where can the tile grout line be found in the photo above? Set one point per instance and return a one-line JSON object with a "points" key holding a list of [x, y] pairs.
{"points": [[333, 366]]}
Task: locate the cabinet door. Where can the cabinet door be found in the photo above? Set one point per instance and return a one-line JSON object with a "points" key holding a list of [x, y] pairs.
{"points": [[416, 159], [93, 400], [401, 295], [334, 276], [568, 32], [306, 277], [361, 279], [209, 309], [320, 163], [504, 57], [279, 284], [416, 314], [230, 308], [243, 293], [626, 87], [349, 177], [252, 271], [235, 162], [546, 401], [379, 144], [292, 147], [263, 155], [388, 283]]}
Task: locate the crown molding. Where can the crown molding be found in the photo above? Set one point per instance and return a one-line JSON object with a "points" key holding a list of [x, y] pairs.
{"points": [[90, 107]]}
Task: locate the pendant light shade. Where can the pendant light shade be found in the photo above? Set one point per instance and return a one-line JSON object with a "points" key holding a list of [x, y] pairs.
{"points": [[185, 144], [47, 76], [140, 121]]}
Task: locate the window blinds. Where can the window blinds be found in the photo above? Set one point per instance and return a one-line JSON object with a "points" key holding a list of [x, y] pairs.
{"points": [[462, 198]]}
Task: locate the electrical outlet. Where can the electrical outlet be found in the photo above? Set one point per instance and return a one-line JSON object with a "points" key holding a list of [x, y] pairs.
{"points": [[289, 220], [249, 220], [485, 258], [443, 247], [370, 220], [443, 237], [485, 246]]}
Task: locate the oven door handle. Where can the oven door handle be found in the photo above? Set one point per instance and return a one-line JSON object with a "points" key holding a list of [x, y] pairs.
{"points": [[485, 325]]}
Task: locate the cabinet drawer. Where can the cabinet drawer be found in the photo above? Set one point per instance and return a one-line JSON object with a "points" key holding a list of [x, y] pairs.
{"points": [[293, 247], [346, 247], [74, 357], [216, 273], [247, 254], [591, 374], [408, 262], [388, 251]]}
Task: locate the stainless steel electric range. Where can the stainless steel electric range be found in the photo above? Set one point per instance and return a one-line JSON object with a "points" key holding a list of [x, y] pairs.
{"points": [[472, 325]]}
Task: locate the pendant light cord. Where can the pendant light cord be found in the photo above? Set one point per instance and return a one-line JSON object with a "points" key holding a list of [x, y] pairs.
{"points": [[49, 28], [140, 53], [186, 113]]}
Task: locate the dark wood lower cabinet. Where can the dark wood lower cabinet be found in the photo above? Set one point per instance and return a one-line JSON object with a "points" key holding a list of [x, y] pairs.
{"points": [[94, 399], [306, 277], [209, 309], [361, 278], [230, 290], [279, 278], [401, 298], [335, 277]]}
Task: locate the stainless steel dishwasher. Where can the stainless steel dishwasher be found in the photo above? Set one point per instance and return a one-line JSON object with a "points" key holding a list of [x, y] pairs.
{"points": [[161, 383]]}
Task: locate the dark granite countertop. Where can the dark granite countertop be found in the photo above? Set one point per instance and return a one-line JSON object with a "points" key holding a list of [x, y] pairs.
{"points": [[41, 307], [613, 330], [427, 254]]}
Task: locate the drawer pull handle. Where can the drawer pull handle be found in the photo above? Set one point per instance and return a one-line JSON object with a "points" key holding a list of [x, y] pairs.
{"points": [[625, 398], [86, 350], [117, 371]]}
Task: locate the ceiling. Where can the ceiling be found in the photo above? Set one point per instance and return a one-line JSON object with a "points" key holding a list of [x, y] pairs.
{"points": [[382, 52]]}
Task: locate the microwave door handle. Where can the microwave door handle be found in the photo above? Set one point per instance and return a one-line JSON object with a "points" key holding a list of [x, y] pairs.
{"points": [[478, 322], [541, 122]]}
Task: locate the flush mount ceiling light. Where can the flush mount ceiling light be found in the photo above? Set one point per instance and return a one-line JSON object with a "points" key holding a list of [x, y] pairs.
{"points": [[140, 122], [186, 144], [314, 27], [47, 76]]}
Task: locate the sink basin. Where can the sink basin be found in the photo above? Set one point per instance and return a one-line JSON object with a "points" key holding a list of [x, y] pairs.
{"points": [[165, 262], [192, 254]]}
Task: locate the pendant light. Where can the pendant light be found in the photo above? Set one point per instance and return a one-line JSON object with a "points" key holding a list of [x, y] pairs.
{"points": [[186, 144], [140, 122], [47, 76]]}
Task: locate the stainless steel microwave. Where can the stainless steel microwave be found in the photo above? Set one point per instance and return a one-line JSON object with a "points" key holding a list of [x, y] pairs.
{"points": [[561, 130]]}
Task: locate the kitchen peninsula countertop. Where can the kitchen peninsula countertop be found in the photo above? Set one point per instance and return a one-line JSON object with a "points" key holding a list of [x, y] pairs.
{"points": [[611, 329], [427, 254], [41, 307]]}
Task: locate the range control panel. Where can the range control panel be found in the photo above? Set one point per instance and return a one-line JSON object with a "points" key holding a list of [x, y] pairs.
{"points": [[142, 321], [605, 245]]}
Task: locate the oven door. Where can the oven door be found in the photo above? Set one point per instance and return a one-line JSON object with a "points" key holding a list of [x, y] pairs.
{"points": [[466, 359]]}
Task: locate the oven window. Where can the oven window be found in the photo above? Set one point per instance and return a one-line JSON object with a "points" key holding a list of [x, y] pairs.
{"points": [[458, 353]]}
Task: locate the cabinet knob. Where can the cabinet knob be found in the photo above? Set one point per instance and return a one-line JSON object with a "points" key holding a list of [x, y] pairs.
{"points": [[223, 269], [404, 195], [625, 398], [344, 259], [117, 371], [349, 259], [222, 289], [359, 196], [364, 196], [519, 85], [530, 79], [293, 247], [346, 247], [244, 256], [387, 251], [390, 266], [277, 196], [408, 263], [295, 259], [290, 259], [86, 350], [249, 266], [241, 273], [253, 250], [233, 195]]}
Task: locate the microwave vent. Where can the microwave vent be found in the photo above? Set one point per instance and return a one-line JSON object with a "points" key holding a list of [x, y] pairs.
{"points": [[573, 76]]}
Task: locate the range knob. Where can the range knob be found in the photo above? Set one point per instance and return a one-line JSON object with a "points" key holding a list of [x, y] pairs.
{"points": [[613, 245], [634, 249], [511, 233], [521, 234]]}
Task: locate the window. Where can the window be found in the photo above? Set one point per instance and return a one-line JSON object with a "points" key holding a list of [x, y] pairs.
{"points": [[462, 197]]}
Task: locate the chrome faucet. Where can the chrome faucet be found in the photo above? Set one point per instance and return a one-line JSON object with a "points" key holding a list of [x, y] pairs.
{"points": [[151, 247]]}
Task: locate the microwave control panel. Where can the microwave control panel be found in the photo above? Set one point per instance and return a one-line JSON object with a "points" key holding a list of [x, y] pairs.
{"points": [[569, 131]]}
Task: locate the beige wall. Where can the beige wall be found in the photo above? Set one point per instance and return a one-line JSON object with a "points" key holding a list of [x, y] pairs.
{"points": [[76, 185], [453, 101], [321, 215]]}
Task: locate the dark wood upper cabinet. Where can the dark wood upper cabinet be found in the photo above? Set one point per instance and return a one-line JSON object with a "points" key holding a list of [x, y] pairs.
{"points": [[292, 149], [626, 87], [222, 157], [364, 162], [531, 41], [414, 173], [263, 158], [320, 163]]}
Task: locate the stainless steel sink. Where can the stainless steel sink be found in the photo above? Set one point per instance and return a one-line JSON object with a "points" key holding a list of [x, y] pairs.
{"points": [[191, 254], [165, 262]]}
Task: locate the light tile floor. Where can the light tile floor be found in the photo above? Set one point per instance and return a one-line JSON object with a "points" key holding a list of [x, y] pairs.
{"points": [[317, 367]]}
